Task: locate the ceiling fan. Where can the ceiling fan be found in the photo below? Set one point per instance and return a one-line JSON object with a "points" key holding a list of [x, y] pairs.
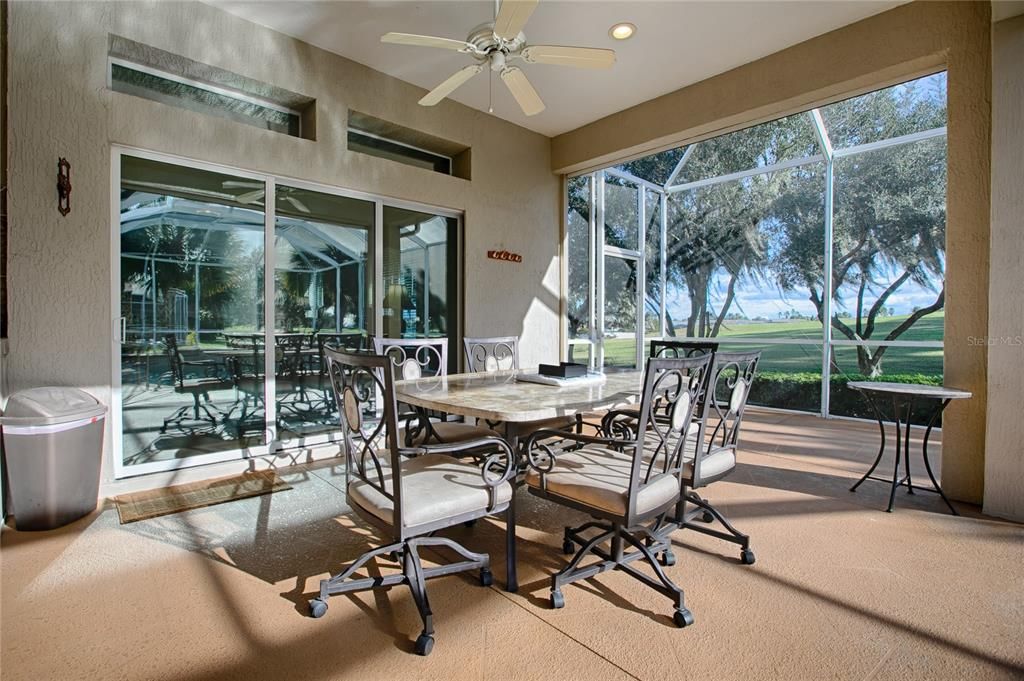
{"points": [[259, 191], [497, 44]]}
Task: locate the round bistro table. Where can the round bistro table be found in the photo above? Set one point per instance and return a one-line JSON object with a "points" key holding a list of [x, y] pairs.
{"points": [[904, 396]]}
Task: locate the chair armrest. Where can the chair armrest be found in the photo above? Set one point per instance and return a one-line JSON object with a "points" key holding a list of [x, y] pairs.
{"points": [[541, 456], [497, 468]]}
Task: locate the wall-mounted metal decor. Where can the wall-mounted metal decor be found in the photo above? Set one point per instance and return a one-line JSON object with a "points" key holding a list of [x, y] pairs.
{"points": [[63, 186], [504, 255]]}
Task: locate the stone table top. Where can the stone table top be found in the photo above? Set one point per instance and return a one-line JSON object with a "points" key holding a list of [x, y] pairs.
{"points": [[934, 391], [498, 396]]}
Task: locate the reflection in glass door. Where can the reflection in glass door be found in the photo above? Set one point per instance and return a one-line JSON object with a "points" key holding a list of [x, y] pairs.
{"points": [[191, 308], [323, 293], [420, 277]]}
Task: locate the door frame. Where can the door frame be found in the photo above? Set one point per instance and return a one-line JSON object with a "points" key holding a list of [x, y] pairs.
{"points": [[273, 444]]}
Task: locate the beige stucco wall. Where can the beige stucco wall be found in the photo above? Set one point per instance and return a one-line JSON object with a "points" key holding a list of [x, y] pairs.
{"points": [[1004, 461], [887, 48], [60, 308]]}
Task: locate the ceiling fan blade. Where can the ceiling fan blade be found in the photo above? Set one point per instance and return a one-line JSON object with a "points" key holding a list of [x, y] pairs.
{"points": [[299, 205], [560, 55], [241, 184], [517, 83], [251, 197], [449, 86], [160, 188], [426, 41], [512, 17]]}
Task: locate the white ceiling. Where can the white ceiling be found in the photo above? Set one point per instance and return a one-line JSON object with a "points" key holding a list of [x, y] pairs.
{"points": [[676, 44]]}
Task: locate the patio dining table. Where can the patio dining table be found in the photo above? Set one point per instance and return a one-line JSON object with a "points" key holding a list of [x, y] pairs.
{"points": [[499, 396]]}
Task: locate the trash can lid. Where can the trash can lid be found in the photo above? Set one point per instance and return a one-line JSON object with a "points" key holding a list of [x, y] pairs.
{"points": [[44, 406]]}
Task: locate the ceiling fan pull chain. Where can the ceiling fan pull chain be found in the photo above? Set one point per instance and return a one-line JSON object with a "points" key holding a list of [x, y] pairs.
{"points": [[490, 91]]}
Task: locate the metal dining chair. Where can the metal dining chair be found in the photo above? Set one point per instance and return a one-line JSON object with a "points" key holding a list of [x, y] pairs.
{"points": [[626, 492], [198, 388], [715, 448], [501, 353], [409, 494], [414, 358]]}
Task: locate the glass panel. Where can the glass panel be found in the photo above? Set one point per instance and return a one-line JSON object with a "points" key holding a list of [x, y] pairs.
{"points": [[323, 296], [788, 376], [900, 110], [621, 213], [620, 319], [652, 263], [578, 260], [890, 242], [746, 257], [887, 363], [383, 148], [420, 278], [656, 168], [763, 145], [194, 98], [192, 300]]}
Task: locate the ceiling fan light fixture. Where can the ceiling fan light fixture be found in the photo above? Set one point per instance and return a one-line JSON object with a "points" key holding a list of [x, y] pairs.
{"points": [[622, 30]]}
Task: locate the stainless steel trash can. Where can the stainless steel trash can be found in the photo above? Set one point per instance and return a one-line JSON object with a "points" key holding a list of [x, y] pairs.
{"points": [[53, 448]]}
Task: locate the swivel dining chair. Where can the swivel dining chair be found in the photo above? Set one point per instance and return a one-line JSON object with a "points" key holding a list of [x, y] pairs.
{"points": [[414, 358], [711, 452], [501, 353], [409, 494], [625, 492]]}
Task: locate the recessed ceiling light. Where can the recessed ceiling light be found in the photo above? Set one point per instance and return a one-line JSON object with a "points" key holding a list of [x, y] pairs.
{"points": [[622, 31]]}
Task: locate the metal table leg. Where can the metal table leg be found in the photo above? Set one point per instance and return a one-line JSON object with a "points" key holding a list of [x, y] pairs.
{"points": [[902, 431]]}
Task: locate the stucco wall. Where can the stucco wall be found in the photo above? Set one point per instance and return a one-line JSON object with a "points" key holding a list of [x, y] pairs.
{"points": [[884, 49], [1004, 462], [60, 308]]}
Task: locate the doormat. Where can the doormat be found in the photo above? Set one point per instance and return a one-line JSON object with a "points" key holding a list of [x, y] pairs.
{"points": [[157, 502]]}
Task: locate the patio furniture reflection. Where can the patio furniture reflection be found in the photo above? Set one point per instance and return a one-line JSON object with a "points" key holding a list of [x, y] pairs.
{"points": [[198, 388]]}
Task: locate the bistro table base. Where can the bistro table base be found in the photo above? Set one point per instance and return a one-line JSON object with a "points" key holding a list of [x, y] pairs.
{"points": [[906, 401]]}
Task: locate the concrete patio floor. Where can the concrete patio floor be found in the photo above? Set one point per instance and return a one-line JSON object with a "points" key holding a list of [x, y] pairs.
{"points": [[840, 589]]}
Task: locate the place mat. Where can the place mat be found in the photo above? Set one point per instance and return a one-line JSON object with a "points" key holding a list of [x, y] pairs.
{"points": [[158, 502], [591, 378]]}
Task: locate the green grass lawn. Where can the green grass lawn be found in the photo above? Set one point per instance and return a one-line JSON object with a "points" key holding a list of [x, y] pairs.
{"points": [[807, 358]]}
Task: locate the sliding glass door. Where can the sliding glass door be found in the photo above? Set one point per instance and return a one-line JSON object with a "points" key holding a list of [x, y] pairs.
{"points": [[191, 314], [230, 285], [421, 277]]}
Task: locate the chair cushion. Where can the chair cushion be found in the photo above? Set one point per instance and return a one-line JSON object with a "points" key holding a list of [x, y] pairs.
{"points": [[450, 432], [719, 461], [599, 477], [434, 487]]}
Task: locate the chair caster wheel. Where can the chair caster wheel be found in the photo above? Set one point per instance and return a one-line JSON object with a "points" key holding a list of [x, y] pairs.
{"points": [[469, 523], [747, 557], [317, 608], [568, 547], [424, 644], [682, 617], [707, 517], [667, 559], [557, 601], [486, 577]]}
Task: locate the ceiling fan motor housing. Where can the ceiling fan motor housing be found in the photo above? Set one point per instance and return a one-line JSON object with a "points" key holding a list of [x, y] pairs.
{"points": [[486, 43]]}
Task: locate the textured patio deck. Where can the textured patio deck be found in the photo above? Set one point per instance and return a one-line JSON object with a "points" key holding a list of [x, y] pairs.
{"points": [[840, 589]]}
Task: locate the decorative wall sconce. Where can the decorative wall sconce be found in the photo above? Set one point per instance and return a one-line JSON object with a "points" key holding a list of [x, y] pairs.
{"points": [[63, 186], [504, 255]]}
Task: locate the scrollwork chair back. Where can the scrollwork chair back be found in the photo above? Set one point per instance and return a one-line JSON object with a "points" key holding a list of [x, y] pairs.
{"points": [[415, 357], [499, 353], [732, 374], [357, 381]]}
